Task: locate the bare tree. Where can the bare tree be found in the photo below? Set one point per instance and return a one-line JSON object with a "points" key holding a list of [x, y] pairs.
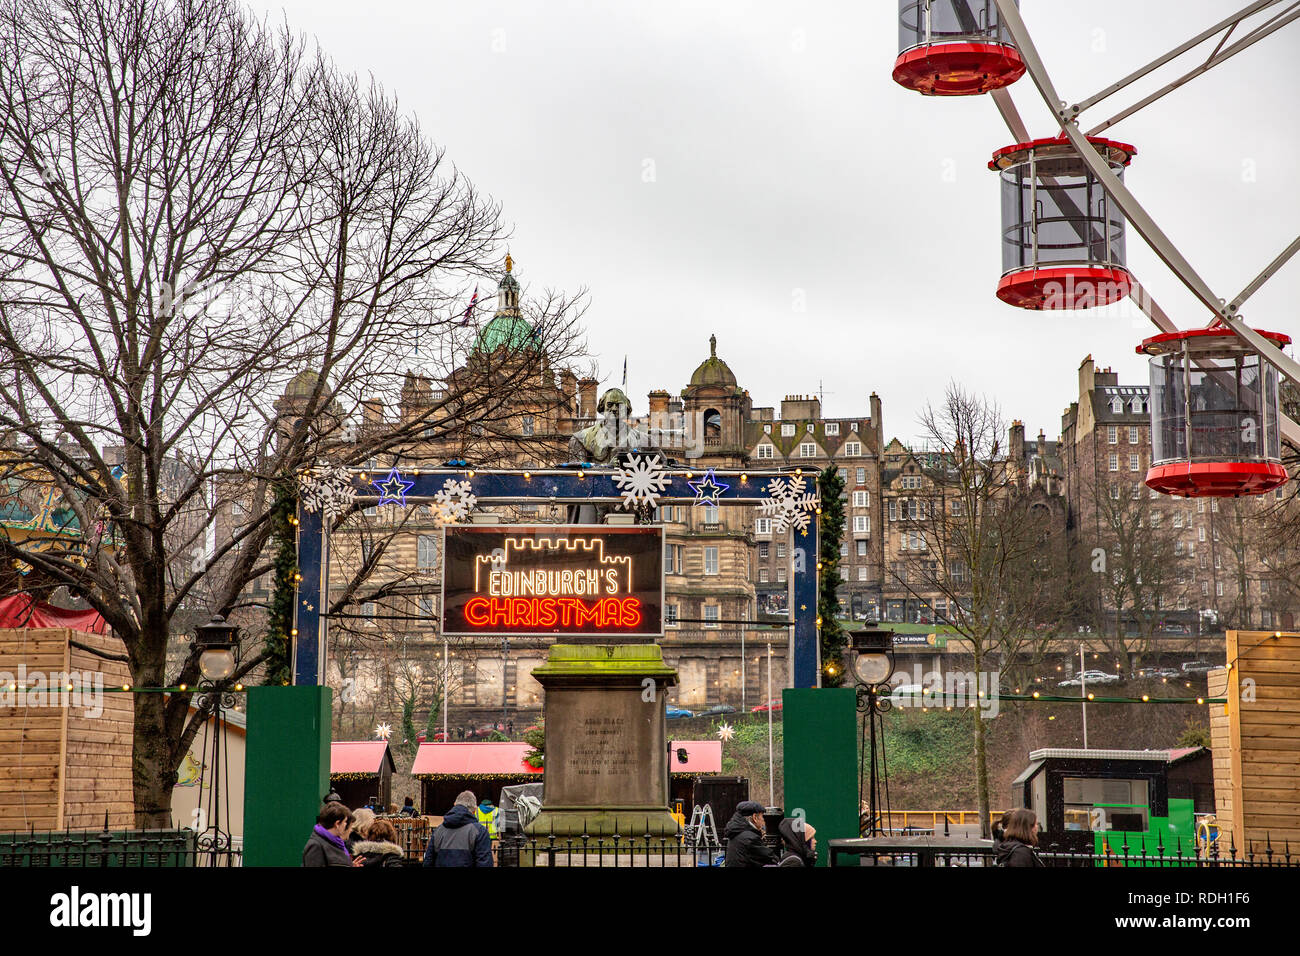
{"points": [[194, 209], [1130, 568], [992, 548]]}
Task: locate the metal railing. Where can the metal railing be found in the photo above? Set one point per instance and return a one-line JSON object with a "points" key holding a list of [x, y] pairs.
{"points": [[113, 848], [611, 851]]}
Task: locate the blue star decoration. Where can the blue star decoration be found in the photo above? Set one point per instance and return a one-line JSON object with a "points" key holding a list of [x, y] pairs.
{"points": [[708, 489], [393, 489]]}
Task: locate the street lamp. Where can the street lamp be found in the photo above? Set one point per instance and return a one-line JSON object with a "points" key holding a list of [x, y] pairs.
{"points": [[219, 641], [871, 659]]}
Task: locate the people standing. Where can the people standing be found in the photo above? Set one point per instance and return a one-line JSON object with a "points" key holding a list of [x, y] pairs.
{"points": [[408, 808], [1017, 849], [327, 844], [744, 837], [799, 839], [461, 840], [380, 848], [487, 815], [362, 817]]}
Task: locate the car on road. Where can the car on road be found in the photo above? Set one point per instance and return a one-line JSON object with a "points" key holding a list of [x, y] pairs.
{"points": [[1198, 667], [674, 712], [1090, 677], [717, 710], [763, 708], [1154, 673]]}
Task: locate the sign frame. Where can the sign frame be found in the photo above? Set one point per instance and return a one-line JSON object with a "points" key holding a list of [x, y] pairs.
{"points": [[558, 530]]}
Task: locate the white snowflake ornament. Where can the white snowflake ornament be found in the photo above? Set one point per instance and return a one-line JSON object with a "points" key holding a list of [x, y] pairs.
{"points": [[788, 504], [384, 731], [726, 732], [453, 501], [641, 480], [327, 489]]}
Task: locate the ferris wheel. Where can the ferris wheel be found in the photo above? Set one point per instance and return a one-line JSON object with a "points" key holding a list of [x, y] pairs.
{"points": [[1216, 425]]}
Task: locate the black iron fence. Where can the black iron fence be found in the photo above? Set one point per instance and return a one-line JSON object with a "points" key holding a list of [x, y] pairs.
{"points": [[114, 848], [609, 851], [940, 852]]}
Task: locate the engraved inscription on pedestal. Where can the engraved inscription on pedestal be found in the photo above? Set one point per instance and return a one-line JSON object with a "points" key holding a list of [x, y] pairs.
{"points": [[605, 749]]}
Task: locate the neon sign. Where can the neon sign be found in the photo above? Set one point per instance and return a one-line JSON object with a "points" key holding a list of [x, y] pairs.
{"points": [[568, 580]]}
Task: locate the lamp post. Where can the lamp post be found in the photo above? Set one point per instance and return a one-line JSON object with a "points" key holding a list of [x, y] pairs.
{"points": [[218, 658], [871, 660]]}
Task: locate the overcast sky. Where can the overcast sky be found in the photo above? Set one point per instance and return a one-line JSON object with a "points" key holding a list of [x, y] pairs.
{"points": [[751, 170]]}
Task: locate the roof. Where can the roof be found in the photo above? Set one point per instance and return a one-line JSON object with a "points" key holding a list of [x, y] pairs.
{"points": [[473, 759], [1050, 753], [1103, 395], [359, 756], [713, 371], [702, 756], [505, 331]]}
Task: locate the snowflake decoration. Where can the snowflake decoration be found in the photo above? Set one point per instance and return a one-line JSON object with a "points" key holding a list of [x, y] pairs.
{"points": [[384, 731], [726, 732], [453, 502], [788, 504], [327, 489], [641, 480]]}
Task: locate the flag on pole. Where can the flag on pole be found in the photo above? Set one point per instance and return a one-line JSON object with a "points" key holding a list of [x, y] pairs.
{"points": [[469, 312]]}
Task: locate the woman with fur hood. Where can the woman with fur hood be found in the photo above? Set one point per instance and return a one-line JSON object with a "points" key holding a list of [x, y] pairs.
{"points": [[379, 848]]}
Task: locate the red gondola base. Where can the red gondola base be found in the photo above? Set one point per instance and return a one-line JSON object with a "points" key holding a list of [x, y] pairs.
{"points": [[1230, 479], [958, 69], [1073, 287]]}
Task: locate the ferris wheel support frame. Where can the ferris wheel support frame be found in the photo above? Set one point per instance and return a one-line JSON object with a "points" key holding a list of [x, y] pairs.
{"points": [[1160, 243]]}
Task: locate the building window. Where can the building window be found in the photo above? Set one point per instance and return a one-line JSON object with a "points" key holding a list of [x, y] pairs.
{"points": [[852, 448], [1114, 492], [767, 429], [1112, 434], [1114, 462], [844, 574], [1132, 435], [862, 549], [807, 450], [956, 508], [670, 615], [862, 499], [862, 573], [787, 429], [780, 575], [426, 607], [1218, 588], [763, 549], [1218, 561], [1137, 492], [1266, 618], [711, 615], [780, 549], [809, 428], [832, 428], [673, 560], [765, 451], [1178, 519], [893, 510], [1137, 406], [527, 424], [861, 476], [1134, 462], [861, 524], [762, 575], [1214, 506], [368, 609], [844, 549], [1200, 533], [427, 551], [710, 514], [1203, 559], [762, 526], [710, 560], [1205, 588], [1155, 519]]}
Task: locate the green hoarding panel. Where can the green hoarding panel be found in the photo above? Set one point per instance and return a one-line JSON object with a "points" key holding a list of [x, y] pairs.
{"points": [[821, 761], [287, 771]]}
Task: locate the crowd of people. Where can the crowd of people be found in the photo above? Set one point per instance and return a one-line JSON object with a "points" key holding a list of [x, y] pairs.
{"points": [[356, 838]]}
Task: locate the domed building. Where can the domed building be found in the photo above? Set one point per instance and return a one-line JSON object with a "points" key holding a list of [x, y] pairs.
{"points": [[716, 410]]}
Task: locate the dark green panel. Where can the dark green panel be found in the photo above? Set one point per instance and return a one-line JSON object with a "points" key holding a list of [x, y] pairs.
{"points": [[821, 761], [287, 771]]}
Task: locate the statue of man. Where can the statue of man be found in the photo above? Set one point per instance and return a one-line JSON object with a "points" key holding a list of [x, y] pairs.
{"points": [[600, 443]]}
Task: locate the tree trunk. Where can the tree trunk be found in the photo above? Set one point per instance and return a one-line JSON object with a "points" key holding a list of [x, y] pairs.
{"points": [[981, 761], [153, 765]]}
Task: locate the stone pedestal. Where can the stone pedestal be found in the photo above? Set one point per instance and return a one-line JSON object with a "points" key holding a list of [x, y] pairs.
{"points": [[606, 741]]}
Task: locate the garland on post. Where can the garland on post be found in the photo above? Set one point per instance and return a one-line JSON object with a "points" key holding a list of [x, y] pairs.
{"points": [[833, 638], [280, 620]]}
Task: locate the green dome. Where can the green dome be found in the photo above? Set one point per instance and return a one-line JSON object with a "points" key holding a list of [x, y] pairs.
{"points": [[713, 371], [505, 331], [302, 385]]}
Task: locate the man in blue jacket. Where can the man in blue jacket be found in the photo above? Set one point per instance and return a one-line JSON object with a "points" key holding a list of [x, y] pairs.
{"points": [[461, 840]]}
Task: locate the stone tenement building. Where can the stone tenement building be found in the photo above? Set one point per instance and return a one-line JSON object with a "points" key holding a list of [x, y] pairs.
{"points": [[1220, 575]]}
